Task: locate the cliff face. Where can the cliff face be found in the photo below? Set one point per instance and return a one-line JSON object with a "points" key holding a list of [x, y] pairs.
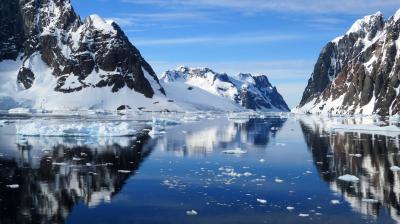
{"points": [[42, 38], [358, 73]]}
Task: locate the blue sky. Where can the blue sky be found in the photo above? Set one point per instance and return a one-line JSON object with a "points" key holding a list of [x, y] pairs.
{"points": [[279, 38]]}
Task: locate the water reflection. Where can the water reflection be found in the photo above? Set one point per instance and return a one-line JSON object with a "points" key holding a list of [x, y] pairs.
{"points": [[209, 136], [366, 156], [43, 185]]}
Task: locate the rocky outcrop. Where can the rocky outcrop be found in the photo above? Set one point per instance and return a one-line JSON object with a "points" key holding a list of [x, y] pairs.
{"points": [[253, 92], [358, 73]]}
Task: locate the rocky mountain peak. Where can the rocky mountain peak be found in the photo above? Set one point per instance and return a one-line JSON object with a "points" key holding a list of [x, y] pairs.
{"points": [[47, 37], [368, 24], [358, 73]]}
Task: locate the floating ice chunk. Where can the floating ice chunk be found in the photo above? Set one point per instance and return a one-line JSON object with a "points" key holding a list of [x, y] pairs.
{"points": [[237, 151], [261, 201], [58, 164], [124, 171], [304, 215], [2, 123], [395, 168], [164, 121], [20, 110], [355, 155], [349, 178], [40, 128], [277, 180], [13, 186], [290, 208], [157, 131], [191, 212], [247, 174], [335, 202], [189, 119], [262, 160], [370, 200]]}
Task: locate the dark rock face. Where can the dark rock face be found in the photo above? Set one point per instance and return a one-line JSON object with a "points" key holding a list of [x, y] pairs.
{"points": [[26, 77], [359, 71], [260, 94], [51, 30]]}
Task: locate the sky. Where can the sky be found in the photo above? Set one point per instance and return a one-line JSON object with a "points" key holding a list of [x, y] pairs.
{"points": [[279, 38]]}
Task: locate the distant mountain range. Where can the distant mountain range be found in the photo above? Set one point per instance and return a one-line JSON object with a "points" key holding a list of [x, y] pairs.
{"points": [[253, 92], [359, 72], [51, 59]]}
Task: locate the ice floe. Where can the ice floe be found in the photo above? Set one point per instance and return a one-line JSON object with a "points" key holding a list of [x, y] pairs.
{"points": [[261, 201], [41, 128], [370, 200], [164, 122], [13, 186], [237, 151], [349, 178], [335, 202], [192, 212], [20, 111], [395, 168]]}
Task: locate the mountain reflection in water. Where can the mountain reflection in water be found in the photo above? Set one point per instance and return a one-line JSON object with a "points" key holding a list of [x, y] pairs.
{"points": [[366, 156], [45, 188], [281, 178], [209, 136]]}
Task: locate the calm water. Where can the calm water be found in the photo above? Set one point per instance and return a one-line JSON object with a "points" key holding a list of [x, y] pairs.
{"points": [[288, 175]]}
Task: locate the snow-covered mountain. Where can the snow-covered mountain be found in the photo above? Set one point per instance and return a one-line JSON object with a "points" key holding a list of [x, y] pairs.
{"points": [[202, 86], [50, 58], [358, 73]]}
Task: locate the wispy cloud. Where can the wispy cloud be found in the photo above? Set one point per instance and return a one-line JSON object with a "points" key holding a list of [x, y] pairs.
{"points": [[302, 6], [163, 20], [246, 38]]}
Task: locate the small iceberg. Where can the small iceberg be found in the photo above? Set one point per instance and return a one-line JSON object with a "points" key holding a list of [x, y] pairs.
{"points": [[41, 128], [191, 212], [164, 122], [20, 110], [13, 186], [395, 168], [349, 178], [237, 151], [261, 201], [370, 200], [335, 202]]}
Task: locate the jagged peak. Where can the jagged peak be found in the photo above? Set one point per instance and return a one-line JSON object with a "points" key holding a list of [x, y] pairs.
{"points": [[101, 24], [396, 16], [366, 24]]}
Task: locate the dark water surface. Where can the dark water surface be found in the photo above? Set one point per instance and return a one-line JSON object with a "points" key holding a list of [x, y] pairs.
{"points": [[288, 175]]}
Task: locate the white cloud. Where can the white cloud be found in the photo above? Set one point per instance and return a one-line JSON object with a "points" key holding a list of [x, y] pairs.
{"points": [[246, 38], [302, 6], [162, 19]]}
